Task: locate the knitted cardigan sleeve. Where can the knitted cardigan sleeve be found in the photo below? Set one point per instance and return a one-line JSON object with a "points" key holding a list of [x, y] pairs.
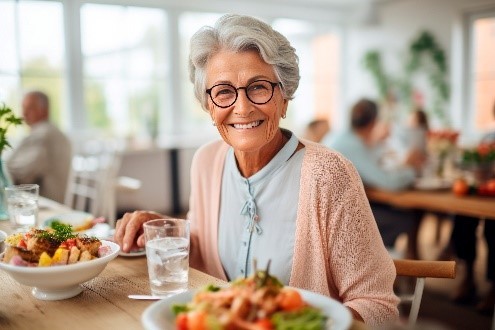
{"points": [[339, 250]]}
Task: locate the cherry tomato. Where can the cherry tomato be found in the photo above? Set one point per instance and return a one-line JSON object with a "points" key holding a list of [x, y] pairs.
{"points": [[181, 321], [22, 244], [196, 320], [264, 324], [70, 243], [291, 300]]}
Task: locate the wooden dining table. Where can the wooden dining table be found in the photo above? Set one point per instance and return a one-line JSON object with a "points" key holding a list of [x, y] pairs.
{"points": [[103, 304], [436, 201], [443, 201]]}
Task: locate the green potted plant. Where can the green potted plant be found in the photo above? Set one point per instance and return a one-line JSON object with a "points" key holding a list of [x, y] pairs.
{"points": [[480, 161], [7, 120]]}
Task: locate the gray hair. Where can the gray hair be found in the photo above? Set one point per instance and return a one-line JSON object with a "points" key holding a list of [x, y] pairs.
{"points": [[241, 33]]}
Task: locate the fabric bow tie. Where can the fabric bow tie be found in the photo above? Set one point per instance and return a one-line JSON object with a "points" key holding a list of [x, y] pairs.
{"points": [[249, 209]]}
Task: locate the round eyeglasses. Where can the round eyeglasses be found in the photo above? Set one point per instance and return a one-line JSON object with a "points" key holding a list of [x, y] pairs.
{"points": [[258, 92]]}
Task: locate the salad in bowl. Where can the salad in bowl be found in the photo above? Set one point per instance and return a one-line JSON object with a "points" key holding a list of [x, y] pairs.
{"points": [[259, 302]]}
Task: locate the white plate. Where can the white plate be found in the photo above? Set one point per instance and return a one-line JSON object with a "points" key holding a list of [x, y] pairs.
{"points": [[135, 253], [432, 184], [75, 218], [159, 315]]}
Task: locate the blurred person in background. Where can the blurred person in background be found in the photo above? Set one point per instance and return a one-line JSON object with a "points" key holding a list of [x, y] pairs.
{"points": [[361, 145], [43, 157], [260, 187], [316, 130], [417, 127], [464, 241]]}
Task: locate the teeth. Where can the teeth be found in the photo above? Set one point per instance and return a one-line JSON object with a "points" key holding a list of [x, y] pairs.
{"points": [[248, 126]]}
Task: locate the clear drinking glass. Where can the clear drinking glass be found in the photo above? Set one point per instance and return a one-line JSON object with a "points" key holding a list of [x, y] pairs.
{"points": [[167, 253], [22, 204]]}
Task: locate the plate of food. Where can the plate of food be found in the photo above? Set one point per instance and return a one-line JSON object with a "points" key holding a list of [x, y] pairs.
{"points": [[259, 300], [80, 221], [56, 261]]}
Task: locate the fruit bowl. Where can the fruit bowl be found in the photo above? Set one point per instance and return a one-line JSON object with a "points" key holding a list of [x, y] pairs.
{"points": [[60, 282]]}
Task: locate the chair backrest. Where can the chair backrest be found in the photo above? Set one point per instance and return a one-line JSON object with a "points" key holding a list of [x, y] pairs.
{"points": [[421, 269], [91, 184]]}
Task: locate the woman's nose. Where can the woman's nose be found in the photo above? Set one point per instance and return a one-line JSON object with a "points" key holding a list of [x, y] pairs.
{"points": [[243, 106]]}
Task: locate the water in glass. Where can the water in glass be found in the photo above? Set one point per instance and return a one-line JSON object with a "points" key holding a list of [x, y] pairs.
{"points": [[168, 265], [23, 210]]}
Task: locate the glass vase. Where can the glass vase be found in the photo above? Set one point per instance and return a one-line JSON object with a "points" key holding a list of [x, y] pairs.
{"points": [[4, 182]]}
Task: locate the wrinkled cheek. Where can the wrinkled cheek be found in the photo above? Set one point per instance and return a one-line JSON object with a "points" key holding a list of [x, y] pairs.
{"points": [[272, 124], [224, 133], [271, 128]]}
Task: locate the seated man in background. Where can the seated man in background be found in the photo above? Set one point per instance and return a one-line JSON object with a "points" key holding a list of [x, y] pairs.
{"points": [[359, 144], [44, 156]]}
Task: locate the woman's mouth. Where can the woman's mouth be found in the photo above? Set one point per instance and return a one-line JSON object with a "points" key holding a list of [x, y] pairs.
{"points": [[248, 125]]}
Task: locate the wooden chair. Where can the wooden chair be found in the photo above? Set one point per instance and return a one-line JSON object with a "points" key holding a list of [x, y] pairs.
{"points": [[421, 269]]}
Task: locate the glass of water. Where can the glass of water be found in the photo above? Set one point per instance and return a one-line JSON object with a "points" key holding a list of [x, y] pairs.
{"points": [[167, 253], [22, 204]]}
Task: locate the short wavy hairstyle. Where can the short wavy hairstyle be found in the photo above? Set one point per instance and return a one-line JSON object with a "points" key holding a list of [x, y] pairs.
{"points": [[242, 33]]}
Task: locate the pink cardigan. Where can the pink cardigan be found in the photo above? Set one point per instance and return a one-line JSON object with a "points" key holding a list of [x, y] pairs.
{"points": [[338, 250]]}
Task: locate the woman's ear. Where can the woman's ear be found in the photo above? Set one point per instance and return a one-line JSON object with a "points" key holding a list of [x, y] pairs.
{"points": [[284, 108], [212, 114]]}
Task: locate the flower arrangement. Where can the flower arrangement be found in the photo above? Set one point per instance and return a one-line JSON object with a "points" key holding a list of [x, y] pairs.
{"points": [[480, 161], [7, 119], [441, 148], [441, 142]]}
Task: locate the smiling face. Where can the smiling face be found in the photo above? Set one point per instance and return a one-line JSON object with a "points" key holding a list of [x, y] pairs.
{"points": [[246, 126]]}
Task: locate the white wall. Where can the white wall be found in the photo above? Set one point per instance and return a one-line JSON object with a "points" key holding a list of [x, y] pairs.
{"points": [[399, 22]]}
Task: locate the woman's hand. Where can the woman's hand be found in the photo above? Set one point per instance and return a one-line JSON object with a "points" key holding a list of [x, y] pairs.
{"points": [[129, 230]]}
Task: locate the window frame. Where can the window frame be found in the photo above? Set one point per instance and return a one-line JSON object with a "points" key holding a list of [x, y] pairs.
{"points": [[467, 115]]}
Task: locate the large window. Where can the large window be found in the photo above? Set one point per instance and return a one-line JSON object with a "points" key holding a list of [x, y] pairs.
{"points": [[482, 72], [125, 68], [194, 117], [32, 53], [318, 49]]}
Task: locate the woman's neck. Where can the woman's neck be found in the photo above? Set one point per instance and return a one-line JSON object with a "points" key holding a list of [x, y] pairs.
{"points": [[249, 163]]}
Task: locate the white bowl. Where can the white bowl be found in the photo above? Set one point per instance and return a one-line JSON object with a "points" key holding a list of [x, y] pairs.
{"points": [[60, 282]]}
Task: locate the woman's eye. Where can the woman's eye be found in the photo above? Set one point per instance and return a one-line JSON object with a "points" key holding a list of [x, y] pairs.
{"points": [[258, 87], [225, 91]]}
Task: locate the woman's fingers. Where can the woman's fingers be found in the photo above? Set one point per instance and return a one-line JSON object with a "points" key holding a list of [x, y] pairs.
{"points": [[120, 228], [131, 229], [140, 241]]}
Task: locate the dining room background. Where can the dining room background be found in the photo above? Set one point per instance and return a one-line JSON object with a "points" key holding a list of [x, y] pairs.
{"points": [[119, 68]]}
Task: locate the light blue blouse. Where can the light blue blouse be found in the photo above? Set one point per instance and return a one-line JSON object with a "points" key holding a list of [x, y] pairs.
{"points": [[258, 214]]}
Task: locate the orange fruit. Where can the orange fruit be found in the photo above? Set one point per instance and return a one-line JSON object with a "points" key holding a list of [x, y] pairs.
{"points": [[460, 187]]}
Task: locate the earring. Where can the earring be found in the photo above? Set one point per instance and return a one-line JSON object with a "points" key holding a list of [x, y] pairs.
{"points": [[213, 123], [283, 116]]}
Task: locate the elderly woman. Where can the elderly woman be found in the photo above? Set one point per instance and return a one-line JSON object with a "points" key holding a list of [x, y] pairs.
{"points": [[263, 193]]}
